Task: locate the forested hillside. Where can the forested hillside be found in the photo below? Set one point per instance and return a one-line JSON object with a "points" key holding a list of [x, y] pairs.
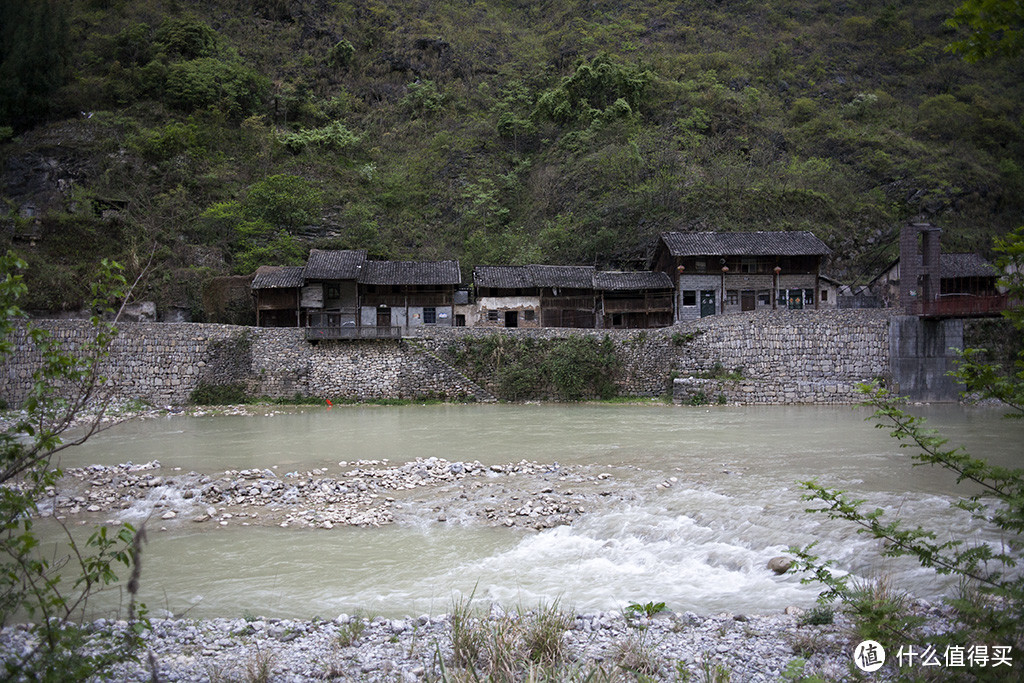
{"points": [[207, 138]]}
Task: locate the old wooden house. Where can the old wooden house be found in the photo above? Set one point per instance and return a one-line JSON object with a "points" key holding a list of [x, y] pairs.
{"points": [[721, 272], [633, 300], [408, 294], [506, 296], [567, 296], [330, 292], [276, 293]]}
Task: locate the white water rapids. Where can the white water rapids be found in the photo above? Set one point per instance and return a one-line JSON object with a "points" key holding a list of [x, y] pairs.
{"points": [[701, 544]]}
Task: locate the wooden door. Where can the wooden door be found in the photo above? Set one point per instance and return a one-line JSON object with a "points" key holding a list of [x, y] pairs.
{"points": [[707, 302]]}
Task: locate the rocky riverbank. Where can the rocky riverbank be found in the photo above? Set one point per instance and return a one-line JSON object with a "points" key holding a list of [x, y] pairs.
{"points": [[606, 645]]}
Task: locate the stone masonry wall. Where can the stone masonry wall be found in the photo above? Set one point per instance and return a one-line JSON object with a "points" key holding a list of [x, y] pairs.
{"points": [[783, 357], [162, 363]]}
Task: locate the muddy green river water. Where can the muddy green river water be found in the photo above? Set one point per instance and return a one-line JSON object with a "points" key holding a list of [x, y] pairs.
{"points": [[700, 545]]}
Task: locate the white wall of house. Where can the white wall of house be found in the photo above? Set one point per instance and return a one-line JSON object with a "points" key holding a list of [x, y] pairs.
{"points": [[413, 316], [492, 309]]}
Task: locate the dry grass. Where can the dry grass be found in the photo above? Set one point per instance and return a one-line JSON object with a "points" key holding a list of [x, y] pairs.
{"points": [[507, 648]]}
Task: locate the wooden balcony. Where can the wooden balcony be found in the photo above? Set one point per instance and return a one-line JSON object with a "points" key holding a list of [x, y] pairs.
{"points": [[962, 306], [638, 304], [579, 303], [354, 332]]}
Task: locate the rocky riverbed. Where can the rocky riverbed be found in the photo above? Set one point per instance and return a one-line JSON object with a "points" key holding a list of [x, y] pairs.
{"points": [[358, 493], [364, 648]]}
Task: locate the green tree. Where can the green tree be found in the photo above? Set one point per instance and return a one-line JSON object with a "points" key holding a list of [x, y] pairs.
{"points": [[996, 29], [986, 379], [259, 228], [34, 52], [64, 407], [595, 87]]}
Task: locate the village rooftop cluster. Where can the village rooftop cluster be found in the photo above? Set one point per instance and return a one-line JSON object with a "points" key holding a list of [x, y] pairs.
{"points": [[344, 294]]}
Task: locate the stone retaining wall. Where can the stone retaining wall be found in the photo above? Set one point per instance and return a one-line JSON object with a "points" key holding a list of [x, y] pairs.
{"points": [[784, 357], [163, 363]]}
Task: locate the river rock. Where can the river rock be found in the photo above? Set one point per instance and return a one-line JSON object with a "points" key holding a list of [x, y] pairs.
{"points": [[780, 565]]}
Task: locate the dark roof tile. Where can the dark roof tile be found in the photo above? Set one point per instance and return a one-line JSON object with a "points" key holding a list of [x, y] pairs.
{"points": [[761, 243], [503, 277], [410, 273], [572, 277], [621, 281], [335, 264], [965, 265], [278, 277]]}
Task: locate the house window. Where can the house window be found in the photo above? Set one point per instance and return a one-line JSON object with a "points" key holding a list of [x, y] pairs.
{"points": [[702, 265], [824, 295], [492, 316], [332, 292], [732, 297], [616, 320], [748, 265], [809, 297], [429, 316], [529, 314], [689, 297], [764, 297]]}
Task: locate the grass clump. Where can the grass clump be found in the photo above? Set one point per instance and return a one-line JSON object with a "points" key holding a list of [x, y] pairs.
{"points": [[350, 633], [509, 647]]}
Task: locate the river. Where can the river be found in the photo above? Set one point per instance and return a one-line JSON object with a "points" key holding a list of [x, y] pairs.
{"points": [[700, 544]]}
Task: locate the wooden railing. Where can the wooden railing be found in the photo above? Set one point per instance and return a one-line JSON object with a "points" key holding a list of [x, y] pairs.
{"points": [[580, 303], [963, 306], [650, 303], [354, 332]]}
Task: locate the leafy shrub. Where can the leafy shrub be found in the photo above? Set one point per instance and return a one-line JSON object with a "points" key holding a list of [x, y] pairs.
{"points": [[803, 110], [283, 200], [206, 83], [183, 37], [218, 394], [582, 366], [819, 615], [595, 87], [649, 609], [341, 54], [423, 98], [167, 141], [570, 369], [334, 135], [134, 45]]}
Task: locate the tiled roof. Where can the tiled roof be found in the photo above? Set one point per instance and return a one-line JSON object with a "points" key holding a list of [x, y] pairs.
{"points": [[334, 265], [278, 277], [614, 281], [410, 273], [761, 243], [965, 265], [503, 277], [572, 277]]}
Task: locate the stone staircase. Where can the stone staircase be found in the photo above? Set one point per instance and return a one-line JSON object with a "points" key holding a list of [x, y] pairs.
{"points": [[458, 380]]}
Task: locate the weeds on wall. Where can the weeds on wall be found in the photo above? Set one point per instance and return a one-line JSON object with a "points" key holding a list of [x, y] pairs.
{"points": [[568, 369]]}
